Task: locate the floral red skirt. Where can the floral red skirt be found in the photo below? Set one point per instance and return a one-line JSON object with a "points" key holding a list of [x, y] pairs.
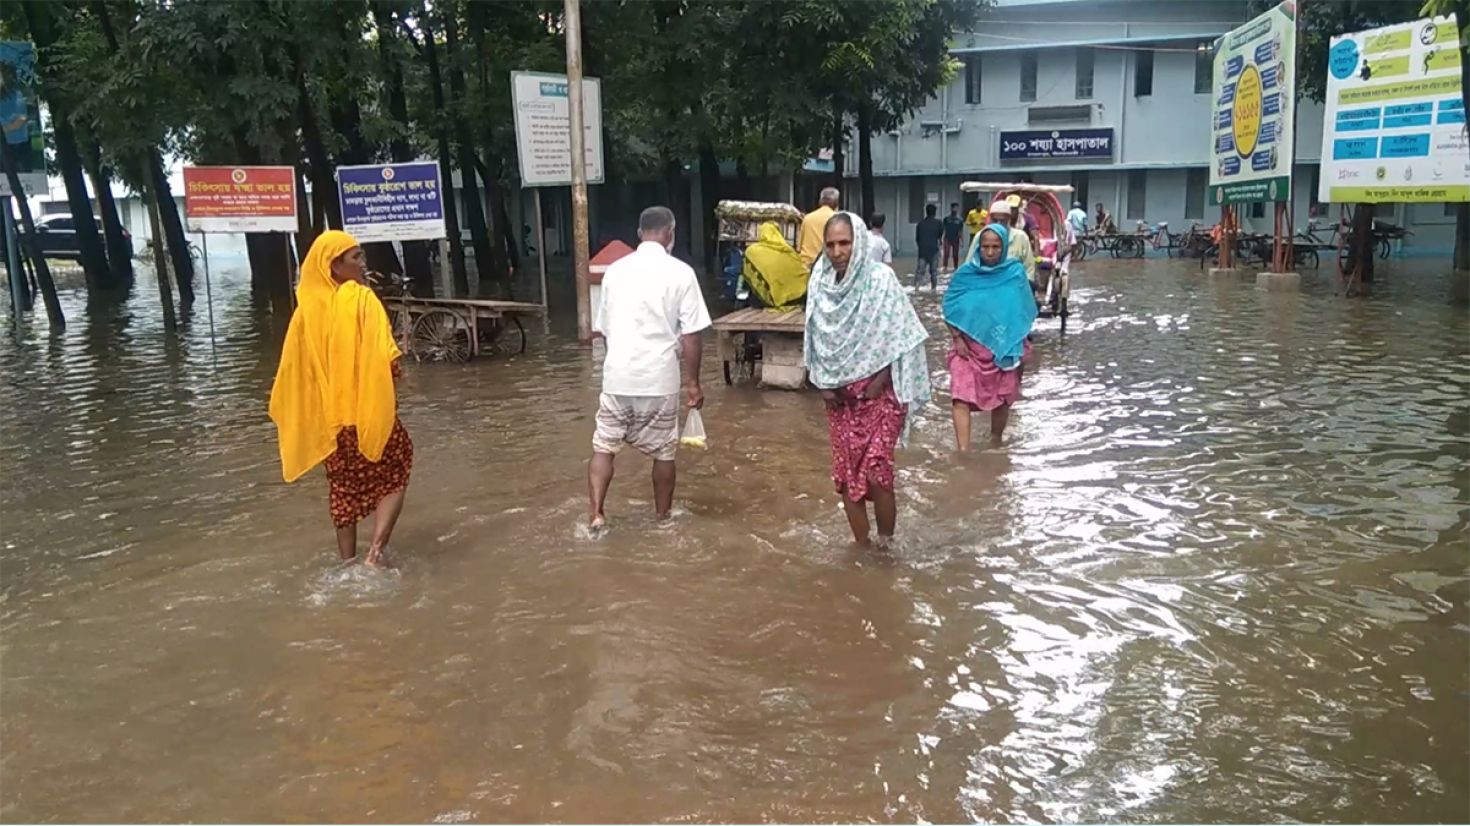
{"points": [[864, 434], [357, 485]]}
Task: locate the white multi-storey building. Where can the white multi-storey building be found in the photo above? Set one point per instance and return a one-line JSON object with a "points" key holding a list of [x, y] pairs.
{"points": [[1137, 72]]}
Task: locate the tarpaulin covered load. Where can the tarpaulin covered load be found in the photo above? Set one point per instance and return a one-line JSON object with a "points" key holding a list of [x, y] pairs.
{"points": [[773, 270]]}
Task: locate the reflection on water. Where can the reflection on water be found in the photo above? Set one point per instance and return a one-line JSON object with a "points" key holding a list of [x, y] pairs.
{"points": [[1218, 573]]}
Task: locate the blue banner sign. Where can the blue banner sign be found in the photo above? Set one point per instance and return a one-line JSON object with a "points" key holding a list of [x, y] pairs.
{"points": [[391, 202], [1035, 144]]}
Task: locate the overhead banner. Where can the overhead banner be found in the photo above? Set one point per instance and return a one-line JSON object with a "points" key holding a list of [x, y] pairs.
{"points": [[1394, 121], [1252, 141], [1046, 144], [240, 199], [20, 117], [544, 128], [391, 202]]}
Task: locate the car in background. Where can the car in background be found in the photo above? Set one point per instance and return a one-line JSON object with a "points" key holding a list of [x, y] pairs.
{"points": [[57, 235]]}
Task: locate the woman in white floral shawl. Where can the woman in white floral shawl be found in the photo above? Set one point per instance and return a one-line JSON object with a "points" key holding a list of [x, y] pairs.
{"points": [[865, 352]]}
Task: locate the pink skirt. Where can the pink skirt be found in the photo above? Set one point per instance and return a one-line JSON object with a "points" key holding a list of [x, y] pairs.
{"points": [[864, 434], [976, 381]]}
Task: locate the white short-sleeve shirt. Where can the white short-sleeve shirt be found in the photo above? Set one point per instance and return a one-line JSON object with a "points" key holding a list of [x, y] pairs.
{"points": [[649, 300], [881, 251]]}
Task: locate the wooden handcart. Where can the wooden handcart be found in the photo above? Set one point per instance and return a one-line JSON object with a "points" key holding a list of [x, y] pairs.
{"points": [[779, 349], [755, 335], [458, 329]]}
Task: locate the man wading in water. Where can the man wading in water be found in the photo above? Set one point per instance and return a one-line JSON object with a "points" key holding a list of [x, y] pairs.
{"points": [[652, 314]]}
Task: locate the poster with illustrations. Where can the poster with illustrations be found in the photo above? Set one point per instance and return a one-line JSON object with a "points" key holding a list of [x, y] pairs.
{"points": [[1253, 139]]}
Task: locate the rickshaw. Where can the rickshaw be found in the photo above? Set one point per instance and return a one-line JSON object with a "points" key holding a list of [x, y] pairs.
{"points": [[753, 333], [1053, 258]]}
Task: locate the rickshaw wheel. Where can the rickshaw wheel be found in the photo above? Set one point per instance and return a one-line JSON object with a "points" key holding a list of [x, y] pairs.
{"points": [[401, 323], [442, 335]]}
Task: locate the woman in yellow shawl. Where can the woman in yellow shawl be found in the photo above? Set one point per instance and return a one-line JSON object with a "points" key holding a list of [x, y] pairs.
{"points": [[333, 399]]}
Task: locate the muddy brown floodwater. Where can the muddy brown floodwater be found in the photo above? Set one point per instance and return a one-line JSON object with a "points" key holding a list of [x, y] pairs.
{"points": [[1218, 573]]}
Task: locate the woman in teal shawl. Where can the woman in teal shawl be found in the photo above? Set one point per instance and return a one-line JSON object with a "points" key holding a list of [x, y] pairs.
{"points": [[989, 310], [864, 350]]}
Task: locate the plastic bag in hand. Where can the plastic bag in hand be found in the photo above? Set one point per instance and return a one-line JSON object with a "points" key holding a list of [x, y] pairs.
{"points": [[693, 435]]}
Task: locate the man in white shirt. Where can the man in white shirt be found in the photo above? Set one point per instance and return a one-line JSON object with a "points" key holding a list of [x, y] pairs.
{"points": [[882, 250], [651, 316]]}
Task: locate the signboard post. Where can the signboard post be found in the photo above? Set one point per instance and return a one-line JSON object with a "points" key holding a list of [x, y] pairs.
{"points": [[542, 105], [1394, 122], [392, 202], [1253, 137], [238, 199]]}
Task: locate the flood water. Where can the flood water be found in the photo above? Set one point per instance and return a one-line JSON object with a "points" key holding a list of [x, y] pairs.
{"points": [[1220, 571]]}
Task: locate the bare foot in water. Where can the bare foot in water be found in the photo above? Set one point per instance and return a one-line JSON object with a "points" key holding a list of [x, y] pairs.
{"points": [[377, 558], [597, 523]]}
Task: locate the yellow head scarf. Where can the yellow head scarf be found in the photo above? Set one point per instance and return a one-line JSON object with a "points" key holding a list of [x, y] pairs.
{"points": [[336, 367]]}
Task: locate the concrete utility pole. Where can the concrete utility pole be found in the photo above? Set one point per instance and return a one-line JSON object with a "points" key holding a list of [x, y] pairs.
{"points": [[580, 232]]}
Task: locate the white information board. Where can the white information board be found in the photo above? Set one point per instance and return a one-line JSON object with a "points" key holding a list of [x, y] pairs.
{"points": [[1393, 127], [543, 128]]}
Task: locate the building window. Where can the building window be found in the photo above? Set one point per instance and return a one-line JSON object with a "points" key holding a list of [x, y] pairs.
{"points": [[1258, 209], [1084, 73], [1079, 188], [1143, 73], [1204, 69], [1137, 194], [972, 79], [1028, 76], [1195, 183]]}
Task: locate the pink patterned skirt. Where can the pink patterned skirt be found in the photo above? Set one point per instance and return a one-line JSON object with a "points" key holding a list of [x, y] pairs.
{"points": [[976, 381], [864, 434]]}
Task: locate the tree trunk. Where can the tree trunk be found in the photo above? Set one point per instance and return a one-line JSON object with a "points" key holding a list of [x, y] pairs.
{"points": [[173, 232], [709, 191], [474, 212], [416, 262], [119, 250], [1360, 252], [89, 240], [1462, 236], [839, 161], [270, 257], [306, 233], [865, 159], [160, 266], [28, 238], [446, 171]]}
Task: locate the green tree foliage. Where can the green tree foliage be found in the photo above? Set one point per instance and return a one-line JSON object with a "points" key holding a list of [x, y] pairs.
{"points": [[321, 84]]}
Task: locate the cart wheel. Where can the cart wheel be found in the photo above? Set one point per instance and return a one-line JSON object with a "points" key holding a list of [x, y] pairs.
{"points": [[503, 336], [1063, 312], [441, 335]]}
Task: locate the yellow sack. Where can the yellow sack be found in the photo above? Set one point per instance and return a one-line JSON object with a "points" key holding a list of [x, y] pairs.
{"points": [[774, 271]]}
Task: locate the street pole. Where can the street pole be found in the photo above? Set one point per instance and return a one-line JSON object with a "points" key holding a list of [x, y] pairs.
{"points": [[580, 232], [541, 254]]}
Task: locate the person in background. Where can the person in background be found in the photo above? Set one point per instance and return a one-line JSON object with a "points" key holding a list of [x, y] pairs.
{"points": [[809, 238], [651, 316], [926, 235], [864, 349], [1105, 223], [975, 220], [954, 227], [333, 399], [989, 310], [882, 250], [1077, 219], [1018, 244]]}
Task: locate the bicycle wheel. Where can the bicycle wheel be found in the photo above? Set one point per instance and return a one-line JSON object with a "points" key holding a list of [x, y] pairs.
{"points": [[1309, 257], [1384, 249]]}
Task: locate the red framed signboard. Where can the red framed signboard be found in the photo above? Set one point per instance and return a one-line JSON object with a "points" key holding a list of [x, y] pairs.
{"points": [[240, 198]]}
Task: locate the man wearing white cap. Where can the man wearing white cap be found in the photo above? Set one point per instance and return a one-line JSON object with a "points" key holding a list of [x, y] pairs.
{"points": [[1020, 244]]}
